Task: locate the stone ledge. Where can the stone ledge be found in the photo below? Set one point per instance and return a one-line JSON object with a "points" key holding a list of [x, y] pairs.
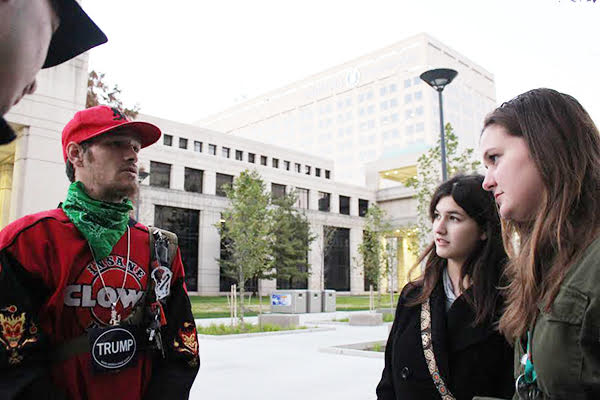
{"points": [[282, 320], [356, 349], [366, 319]]}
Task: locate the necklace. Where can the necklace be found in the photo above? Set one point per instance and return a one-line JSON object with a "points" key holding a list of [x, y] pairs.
{"points": [[115, 318]]}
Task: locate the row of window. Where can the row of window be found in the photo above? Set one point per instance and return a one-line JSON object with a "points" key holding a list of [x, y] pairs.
{"points": [[160, 176], [324, 200], [251, 157]]}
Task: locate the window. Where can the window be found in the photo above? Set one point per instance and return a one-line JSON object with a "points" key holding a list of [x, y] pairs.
{"points": [[197, 146], [307, 169], [297, 167], [392, 88], [263, 160], [324, 201], [223, 181], [406, 83], [407, 98], [418, 95], [363, 207], [286, 165], [317, 172], [420, 127], [225, 151], [160, 174], [193, 180], [251, 157], [275, 162], [212, 149], [344, 205], [327, 174], [168, 140], [277, 191], [183, 143], [383, 91], [239, 155], [302, 200]]}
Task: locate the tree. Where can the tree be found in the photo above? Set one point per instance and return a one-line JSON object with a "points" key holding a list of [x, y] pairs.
{"points": [[429, 177], [98, 92], [246, 232], [291, 242], [372, 249]]}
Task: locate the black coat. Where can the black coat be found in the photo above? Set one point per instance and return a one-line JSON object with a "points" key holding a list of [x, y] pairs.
{"points": [[471, 360]]}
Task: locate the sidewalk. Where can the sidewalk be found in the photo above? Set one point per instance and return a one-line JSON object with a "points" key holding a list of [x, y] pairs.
{"points": [[289, 367]]}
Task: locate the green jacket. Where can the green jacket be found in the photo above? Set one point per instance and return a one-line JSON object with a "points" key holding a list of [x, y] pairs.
{"points": [[566, 340]]}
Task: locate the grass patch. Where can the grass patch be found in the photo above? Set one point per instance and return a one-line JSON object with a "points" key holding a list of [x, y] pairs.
{"points": [[377, 347], [217, 306], [223, 329], [388, 317], [342, 320]]}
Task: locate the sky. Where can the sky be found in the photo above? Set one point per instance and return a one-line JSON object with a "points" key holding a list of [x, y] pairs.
{"points": [[187, 59]]}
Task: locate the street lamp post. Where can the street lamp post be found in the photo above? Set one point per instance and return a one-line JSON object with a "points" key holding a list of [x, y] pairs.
{"points": [[438, 79], [141, 176]]}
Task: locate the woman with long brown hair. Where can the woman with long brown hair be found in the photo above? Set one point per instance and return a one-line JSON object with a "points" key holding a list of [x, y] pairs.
{"points": [[542, 154], [444, 342]]}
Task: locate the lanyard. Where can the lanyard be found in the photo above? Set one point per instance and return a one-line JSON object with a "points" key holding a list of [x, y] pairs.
{"points": [[530, 374]]}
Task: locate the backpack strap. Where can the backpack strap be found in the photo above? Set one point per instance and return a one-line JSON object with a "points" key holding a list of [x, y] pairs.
{"points": [[172, 245]]}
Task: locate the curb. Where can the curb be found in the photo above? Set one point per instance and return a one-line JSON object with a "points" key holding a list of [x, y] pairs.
{"points": [[258, 334]]}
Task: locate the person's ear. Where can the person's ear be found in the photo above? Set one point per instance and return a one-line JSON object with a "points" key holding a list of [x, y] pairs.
{"points": [[75, 154], [483, 236]]}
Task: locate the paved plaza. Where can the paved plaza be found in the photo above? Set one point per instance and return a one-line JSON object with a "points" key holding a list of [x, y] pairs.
{"points": [[289, 367]]}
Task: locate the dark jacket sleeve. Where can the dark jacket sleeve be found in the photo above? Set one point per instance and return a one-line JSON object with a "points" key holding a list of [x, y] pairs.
{"points": [[385, 389], [173, 376], [24, 366]]}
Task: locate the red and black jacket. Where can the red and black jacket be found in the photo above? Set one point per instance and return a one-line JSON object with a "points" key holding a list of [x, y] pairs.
{"points": [[51, 292]]}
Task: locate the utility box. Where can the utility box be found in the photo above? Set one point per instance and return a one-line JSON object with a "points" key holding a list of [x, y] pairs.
{"points": [[313, 301], [328, 299], [288, 301]]}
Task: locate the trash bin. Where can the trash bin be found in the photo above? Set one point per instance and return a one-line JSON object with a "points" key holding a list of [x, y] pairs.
{"points": [[328, 298], [288, 301], [313, 301]]}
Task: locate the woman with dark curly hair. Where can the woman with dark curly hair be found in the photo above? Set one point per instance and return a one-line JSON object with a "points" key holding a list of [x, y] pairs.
{"points": [[444, 342]]}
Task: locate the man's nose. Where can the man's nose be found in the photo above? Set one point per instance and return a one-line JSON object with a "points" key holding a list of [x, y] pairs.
{"points": [[31, 88]]}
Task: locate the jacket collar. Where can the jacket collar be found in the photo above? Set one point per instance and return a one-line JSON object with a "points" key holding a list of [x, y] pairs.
{"points": [[452, 330]]}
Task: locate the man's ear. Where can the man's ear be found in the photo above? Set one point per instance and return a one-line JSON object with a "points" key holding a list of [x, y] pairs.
{"points": [[483, 236], [75, 154]]}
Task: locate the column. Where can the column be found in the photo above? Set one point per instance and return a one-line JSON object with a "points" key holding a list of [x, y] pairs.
{"points": [[210, 182], [354, 206], [209, 250], [334, 204], [177, 176], [356, 271], [316, 279]]}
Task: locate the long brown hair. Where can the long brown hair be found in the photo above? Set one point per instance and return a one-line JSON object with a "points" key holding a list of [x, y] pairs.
{"points": [[485, 264], [564, 144]]}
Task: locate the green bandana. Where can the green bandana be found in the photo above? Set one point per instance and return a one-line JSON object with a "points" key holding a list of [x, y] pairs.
{"points": [[100, 222]]}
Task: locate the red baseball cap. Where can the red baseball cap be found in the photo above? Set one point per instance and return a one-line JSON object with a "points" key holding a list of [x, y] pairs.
{"points": [[99, 120]]}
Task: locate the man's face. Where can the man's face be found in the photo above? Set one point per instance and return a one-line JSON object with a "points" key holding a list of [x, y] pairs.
{"points": [[26, 28], [109, 169]]}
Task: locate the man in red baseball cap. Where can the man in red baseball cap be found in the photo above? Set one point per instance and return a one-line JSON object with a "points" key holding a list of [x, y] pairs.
{"points": [[95, 303], [37, 34]]}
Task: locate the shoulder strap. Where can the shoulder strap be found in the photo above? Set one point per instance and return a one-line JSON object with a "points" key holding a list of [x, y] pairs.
{"points": [[172, 243], [440, 385]]}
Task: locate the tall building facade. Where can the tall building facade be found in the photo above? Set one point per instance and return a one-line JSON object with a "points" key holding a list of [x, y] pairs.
{"points": [[369, 108]]}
